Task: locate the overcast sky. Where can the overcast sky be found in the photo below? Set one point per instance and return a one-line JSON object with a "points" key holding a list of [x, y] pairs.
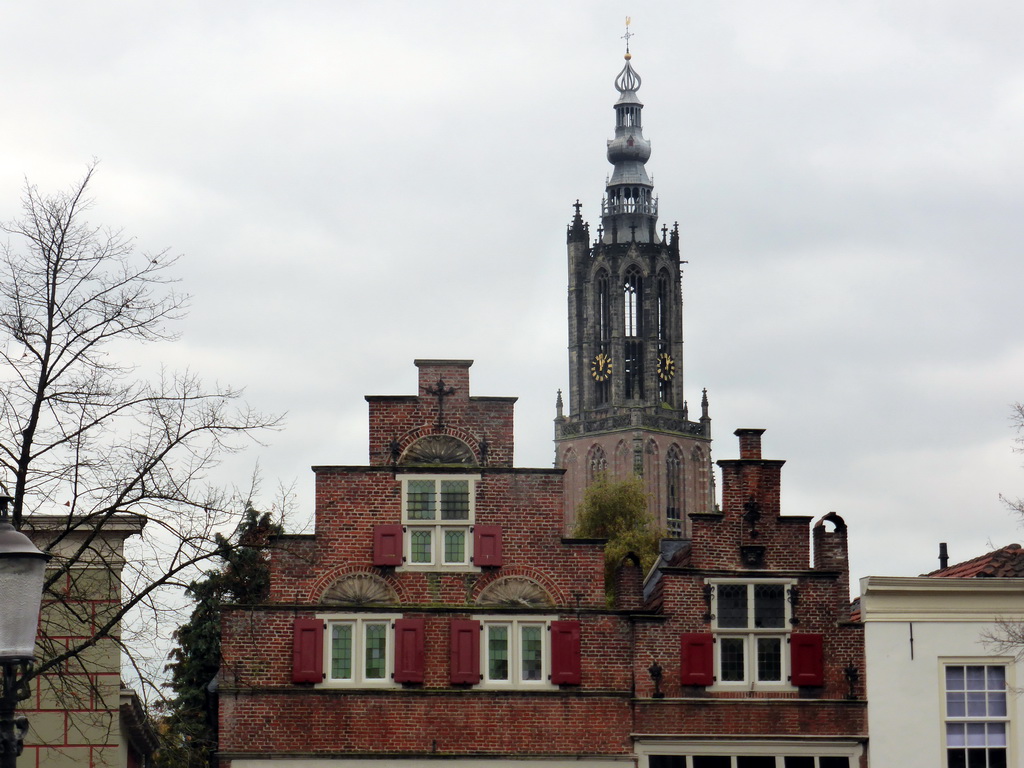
{"points": [[355, 185]]}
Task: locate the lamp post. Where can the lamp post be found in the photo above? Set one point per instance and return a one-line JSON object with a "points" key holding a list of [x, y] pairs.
{"points": [[22, 567]]}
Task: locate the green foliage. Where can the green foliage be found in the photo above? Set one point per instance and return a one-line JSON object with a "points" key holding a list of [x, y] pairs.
{"points": [[189, 725], [617, 511]]}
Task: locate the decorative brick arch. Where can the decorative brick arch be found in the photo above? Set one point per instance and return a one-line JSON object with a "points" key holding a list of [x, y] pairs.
{"points": [[360, 589], [427, 430], [557, 596], [514, 592], [331, 577]]}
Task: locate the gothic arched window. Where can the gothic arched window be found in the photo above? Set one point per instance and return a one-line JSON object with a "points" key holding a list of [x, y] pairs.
{"points": [[597, 463], [633, 304], [664, 353], [701, 480], [604, 310], [602, 387], [674, 491]]}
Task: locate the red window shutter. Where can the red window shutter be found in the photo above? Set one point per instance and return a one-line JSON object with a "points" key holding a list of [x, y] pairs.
{"points": [[487, 545], [308, 651], [565, 653], [698, 659], [387, 545], [409, 650], [807, 660], [465, 658]]}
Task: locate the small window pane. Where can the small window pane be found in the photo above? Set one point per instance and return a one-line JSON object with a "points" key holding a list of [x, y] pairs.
{"points": [[712, 761], [420, 498], [956, 704], [954, 678], [732, 665], [997, 704], [996, 678], [997, 734], [975, 678], [341, 651], [769, 606], [955, 735], [531, 652], [976, 703], [455, 546], [755, 761], [975, 734], [497, 652], [769, 659], [667, 761], [833, 762], [376, 651], [956, 758], [976, 758], [997, 758], [455, 500], [420, 546], [732, 605], [799, 761]]}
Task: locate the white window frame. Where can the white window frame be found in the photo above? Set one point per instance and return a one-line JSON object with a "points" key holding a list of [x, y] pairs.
{"points": [[1007, 664], [438, 527], [359, 623], [751, 635], [779, 749], [515, 660]]}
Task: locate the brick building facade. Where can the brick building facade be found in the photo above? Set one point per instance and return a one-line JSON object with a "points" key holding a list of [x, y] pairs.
{"points": [[438, 615]]}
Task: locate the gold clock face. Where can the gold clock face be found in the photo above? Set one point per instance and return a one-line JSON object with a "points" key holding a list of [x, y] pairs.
{"points": [[666, 367], [601, 367]]}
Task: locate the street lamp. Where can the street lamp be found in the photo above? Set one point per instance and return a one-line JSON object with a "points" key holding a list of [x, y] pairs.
{"points": [[22, 567]]}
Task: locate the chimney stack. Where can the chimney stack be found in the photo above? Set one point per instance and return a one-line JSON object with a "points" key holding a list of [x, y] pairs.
{"points": [[750, 443], [943, 555]]}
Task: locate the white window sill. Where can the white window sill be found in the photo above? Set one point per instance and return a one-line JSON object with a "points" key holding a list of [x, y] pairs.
{"points": [[437, 569]]}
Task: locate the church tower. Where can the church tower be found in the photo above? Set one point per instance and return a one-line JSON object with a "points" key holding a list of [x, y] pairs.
{"points": [[627, 412]]}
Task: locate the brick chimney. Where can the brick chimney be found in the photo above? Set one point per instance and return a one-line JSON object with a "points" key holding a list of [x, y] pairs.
{"points": [[629, 591], [750, 443], [751, 485], [831, 550], [454, 374]]}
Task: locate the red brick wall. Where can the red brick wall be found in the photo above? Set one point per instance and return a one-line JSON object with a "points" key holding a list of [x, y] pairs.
{"points": [[262, 712], [419, 723]]}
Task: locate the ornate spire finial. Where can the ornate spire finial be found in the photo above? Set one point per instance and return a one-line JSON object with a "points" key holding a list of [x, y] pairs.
{"points": [[626, 37]]}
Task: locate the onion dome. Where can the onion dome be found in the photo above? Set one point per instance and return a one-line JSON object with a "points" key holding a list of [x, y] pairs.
{"points": [[629, 211]]}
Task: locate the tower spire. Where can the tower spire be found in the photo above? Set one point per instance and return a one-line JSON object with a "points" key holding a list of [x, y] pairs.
{"points": [[625, 322], [629, 211]]}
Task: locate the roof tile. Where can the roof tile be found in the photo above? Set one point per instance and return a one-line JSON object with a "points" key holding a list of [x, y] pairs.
{"points": [[1007, 562]]}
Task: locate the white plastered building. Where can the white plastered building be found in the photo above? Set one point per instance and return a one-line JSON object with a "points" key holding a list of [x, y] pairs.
{"points": [[941, 694]]}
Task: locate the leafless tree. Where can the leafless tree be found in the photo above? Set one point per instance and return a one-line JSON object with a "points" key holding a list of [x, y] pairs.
{"points": [[87, 443], [1007, 636], [1017, 420]]}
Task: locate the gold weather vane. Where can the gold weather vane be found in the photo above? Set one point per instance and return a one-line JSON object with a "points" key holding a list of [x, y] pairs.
{"points": [[627, 36]]}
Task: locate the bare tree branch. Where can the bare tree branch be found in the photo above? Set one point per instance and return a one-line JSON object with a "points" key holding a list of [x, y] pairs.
{"points": [[86, 443]]}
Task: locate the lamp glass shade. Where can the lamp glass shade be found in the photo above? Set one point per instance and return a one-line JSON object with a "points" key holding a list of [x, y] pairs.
{"points": [[21, 592]]}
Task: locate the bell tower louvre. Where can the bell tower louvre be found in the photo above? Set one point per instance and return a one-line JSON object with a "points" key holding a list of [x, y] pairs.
{"points": [[627, 409]]}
